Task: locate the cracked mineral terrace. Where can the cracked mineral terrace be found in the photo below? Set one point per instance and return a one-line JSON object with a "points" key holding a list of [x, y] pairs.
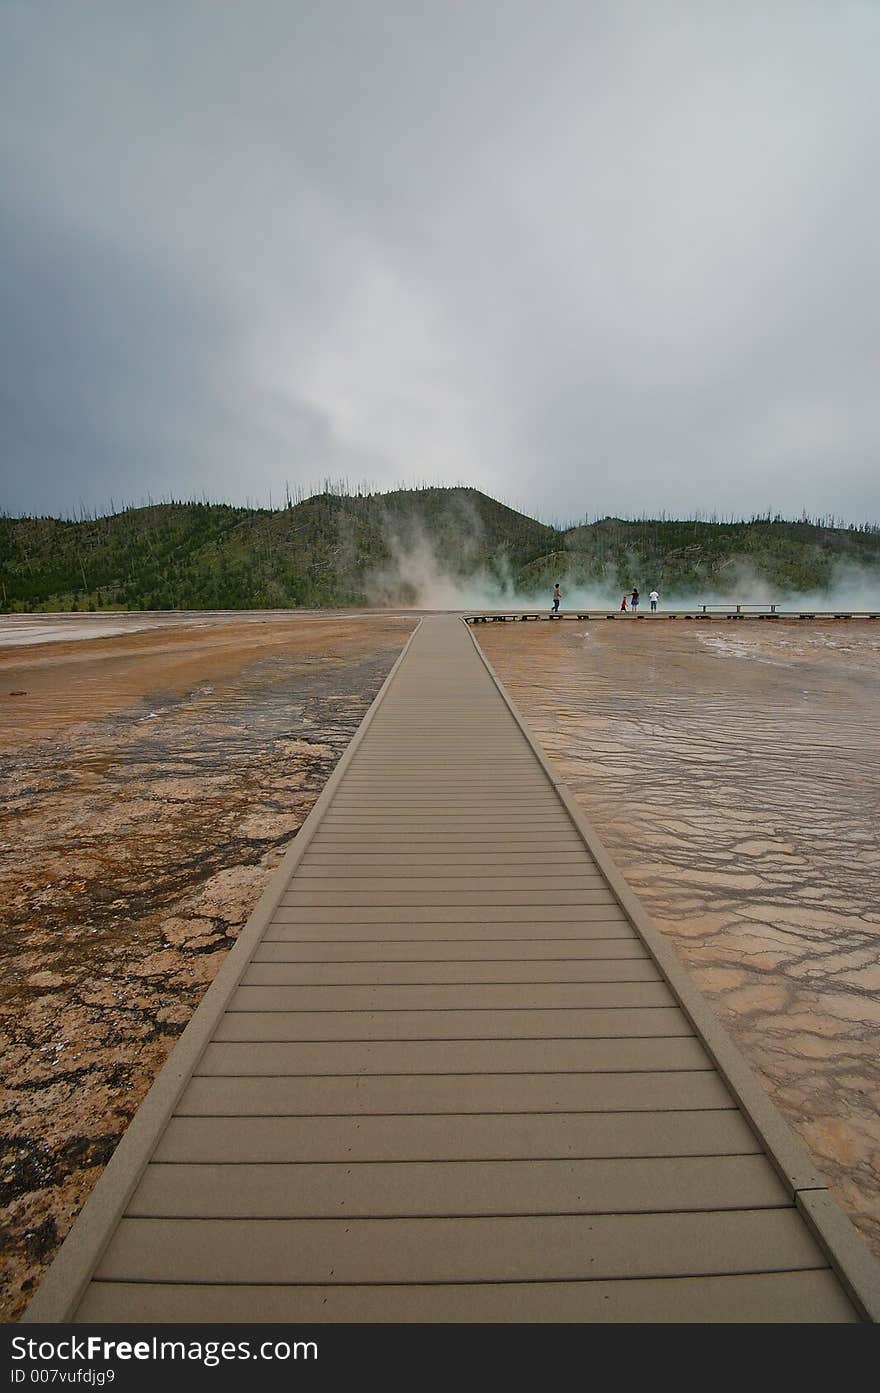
{"points": [[735, 782], [150, 783]]}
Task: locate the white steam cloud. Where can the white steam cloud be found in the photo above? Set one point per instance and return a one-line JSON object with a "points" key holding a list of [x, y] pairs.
{"points": [[419, 577]]}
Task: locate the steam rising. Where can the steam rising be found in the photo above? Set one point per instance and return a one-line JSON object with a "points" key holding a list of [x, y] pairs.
{"points": [[419, 577]]}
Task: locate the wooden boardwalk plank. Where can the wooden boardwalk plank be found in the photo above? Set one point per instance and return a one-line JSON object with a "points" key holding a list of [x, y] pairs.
{"points": [[619, 1023], [426, 884], [599, 923], [532, 1248], [391, 897], [535, 918], [454, 1056], [442, 862], [428, 1094], [501, 996], [564, 972], [380, 1189], [469, 1137], [446, 865], [545, 953], [790, 1297]]}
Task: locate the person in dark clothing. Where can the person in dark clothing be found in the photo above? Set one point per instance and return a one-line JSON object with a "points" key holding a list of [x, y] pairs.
{"points": [[634, 600]]}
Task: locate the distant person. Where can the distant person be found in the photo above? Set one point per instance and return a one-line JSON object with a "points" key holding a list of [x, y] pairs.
{"points": [[634, 601], [557, 596], [653, 597], [623, 603]]}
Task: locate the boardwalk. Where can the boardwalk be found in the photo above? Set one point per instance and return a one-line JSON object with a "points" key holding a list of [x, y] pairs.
{"points": [[702, 612], [452, 1072]]}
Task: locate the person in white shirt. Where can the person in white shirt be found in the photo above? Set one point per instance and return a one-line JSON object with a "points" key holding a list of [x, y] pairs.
{"points": [[653, 597]]}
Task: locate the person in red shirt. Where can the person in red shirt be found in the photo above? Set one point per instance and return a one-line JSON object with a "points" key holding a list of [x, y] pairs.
{"points": [[623, 603]]}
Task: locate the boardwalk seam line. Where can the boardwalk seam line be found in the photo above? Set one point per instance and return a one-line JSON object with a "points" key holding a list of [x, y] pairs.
{"points": [[427, 1112], [63, 1285], [469, 1282]]}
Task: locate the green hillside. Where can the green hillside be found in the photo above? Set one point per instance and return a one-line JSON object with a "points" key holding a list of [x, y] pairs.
{"points": [[320, 552], [691, 557], [338, 549]]}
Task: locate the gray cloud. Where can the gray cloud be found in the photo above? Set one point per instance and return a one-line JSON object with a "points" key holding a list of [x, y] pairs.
{"points": [[591, 257]]}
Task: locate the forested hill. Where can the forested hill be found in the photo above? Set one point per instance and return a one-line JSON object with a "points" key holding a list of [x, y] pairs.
{"points": [[337, 549]]}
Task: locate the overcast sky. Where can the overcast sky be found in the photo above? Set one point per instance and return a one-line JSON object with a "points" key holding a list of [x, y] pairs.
{"points": [[591, 257]]}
